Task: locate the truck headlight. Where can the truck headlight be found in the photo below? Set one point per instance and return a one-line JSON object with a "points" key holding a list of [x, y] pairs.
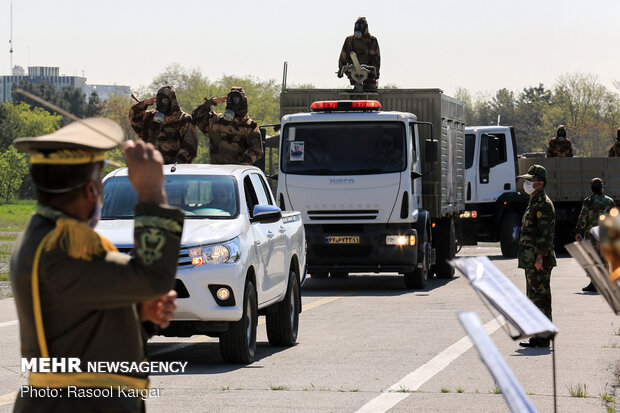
{"points": [[223, 253], [400, 240]]}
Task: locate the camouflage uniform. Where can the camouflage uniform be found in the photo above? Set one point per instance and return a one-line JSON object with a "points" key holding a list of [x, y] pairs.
{"points": [[176, 138], [593, 207], [233, 142], [367, 50], [614, 151], [537, 232], [560, 148]]}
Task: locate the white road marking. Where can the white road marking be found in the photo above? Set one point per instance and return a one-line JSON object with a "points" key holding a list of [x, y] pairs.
{"points": [[8, 323], [414, 380]]}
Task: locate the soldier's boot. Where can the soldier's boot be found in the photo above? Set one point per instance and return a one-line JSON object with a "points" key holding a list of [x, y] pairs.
{"points": [[589, 288]]}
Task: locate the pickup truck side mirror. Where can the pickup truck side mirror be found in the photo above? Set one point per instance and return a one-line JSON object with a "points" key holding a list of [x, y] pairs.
{"points": [[431, 151], [266, 214]]}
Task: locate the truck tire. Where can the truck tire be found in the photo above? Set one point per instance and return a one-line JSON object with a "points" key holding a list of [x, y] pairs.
{"points": [[416, 280], [445, 246], [319, 274], [238, 344], [509, 234], [283, 322]]}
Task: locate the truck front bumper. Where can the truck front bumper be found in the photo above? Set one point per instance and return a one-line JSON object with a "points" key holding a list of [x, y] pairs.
{"points": [[369, 252]]}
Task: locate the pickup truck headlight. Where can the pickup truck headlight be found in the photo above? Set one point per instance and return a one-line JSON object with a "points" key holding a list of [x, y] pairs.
{"points": [[223, 253]]}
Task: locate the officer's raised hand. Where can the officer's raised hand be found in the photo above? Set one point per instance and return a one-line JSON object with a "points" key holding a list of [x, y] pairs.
{"points": [[145, 164]]}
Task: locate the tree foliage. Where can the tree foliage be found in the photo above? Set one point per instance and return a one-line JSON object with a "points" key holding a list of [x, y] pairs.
{"points": [[589, 110], [13, 169]]}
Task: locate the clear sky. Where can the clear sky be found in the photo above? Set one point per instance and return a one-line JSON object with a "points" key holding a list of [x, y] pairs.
{"points": [[482, 45]]}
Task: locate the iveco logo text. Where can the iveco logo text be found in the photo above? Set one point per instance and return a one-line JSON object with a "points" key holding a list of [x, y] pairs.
{"points": [[336, 181]]}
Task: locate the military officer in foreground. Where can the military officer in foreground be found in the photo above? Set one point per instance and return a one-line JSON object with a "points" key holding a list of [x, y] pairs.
{"points": [[610, 243], [76, 295], [536, 253], [234, 138], [560, 146], [167, 127], [593, 207]]}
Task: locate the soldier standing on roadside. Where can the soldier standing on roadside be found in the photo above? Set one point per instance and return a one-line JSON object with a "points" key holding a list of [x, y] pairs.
{"points": [[614, 151], [167, 127], [593, 207], [536, 253], [234, 138], [560, 146], [76, 295]]}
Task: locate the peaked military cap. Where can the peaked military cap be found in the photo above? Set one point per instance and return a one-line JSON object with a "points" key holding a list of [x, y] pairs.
{"points": [[80, 142], [535, 171]]}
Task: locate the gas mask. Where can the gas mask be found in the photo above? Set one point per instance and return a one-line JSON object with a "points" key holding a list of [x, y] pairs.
{"points": [[528, 187], [561, 134], [163, 108], [359, 30], [234, 100]]}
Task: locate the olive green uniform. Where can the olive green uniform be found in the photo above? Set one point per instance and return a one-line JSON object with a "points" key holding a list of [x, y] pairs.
{"points": [[89, 304], [593, 207], [537, 232]]}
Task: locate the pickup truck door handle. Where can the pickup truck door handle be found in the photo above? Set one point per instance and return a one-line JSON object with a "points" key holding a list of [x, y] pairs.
{"points": [[282, 230], [269, 234]]}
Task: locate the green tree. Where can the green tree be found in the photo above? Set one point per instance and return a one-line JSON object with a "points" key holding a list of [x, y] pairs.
{"points": [[531, 104], [13, 169], [94, 105], [19, 120], [68, 98]]}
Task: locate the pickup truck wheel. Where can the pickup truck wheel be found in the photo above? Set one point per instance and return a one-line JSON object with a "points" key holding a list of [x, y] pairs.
{"points": [[283, 321], [509, 235], [319, 274], [339, 274], [238, 344], [445, 247]]}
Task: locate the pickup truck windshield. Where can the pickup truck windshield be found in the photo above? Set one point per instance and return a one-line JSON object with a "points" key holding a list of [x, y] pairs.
{"points": [[198, 196], [344, 148]]}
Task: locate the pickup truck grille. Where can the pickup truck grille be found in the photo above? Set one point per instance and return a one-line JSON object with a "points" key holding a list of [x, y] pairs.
{"points": [[343, 214], [184, 258]]}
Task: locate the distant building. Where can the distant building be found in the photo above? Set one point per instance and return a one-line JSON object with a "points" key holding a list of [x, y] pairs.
{"points": [[105, 91], [51, 75]]}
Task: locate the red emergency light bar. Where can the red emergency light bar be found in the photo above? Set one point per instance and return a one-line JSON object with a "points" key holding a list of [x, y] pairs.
{"points": [[344, 105]]}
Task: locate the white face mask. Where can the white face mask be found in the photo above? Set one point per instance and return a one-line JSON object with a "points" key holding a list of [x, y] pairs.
{"points": [[528, 187]]}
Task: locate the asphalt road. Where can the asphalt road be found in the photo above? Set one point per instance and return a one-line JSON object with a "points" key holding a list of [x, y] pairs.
{"points": [[361, 336]]}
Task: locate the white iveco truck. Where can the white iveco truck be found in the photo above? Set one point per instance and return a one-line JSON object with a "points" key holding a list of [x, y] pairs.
{"points": [[375, 195]]}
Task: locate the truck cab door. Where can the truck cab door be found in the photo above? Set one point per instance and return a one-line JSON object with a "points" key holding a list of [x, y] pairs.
{"points": [[495, 173], [270, 241]]}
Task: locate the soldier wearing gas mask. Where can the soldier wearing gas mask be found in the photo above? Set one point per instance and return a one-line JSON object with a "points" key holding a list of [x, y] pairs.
{"points": [[167, 127], [234, 138], [366, 48], [560, 146]]}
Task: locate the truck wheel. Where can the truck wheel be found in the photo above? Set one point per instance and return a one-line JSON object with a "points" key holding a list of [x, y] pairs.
{"points": [[238, 344], [319, 274], [445, 248], [509, 235], [339, 274], [283, 323], [416, 280]]}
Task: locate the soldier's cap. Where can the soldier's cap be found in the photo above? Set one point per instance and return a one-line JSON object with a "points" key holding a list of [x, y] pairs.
{"points": [[535, 171], [77, 143]]}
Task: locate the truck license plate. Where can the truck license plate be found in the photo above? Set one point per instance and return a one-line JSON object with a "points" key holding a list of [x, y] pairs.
{"points": [[342, 239]]}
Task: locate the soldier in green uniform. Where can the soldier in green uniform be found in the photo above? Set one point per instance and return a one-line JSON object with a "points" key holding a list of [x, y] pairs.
{"points": [[167, 127], [234, 138], [614, 151], [593, 207], [536, 254], [76, 295], [560, 146]]}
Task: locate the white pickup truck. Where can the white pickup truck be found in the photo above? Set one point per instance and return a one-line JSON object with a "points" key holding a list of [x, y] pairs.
{"points": [[240, 256]]}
